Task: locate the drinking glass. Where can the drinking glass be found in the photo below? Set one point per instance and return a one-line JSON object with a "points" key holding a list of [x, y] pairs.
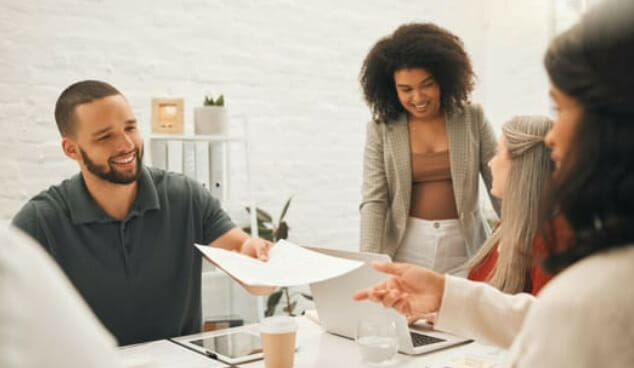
{"points": [[378, 341]]}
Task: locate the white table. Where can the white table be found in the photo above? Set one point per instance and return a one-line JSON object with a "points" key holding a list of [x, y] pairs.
{"points": [[319, 349]]}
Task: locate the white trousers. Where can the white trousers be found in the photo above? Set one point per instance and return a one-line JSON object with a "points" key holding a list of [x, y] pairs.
{"points": [[434, 244]]}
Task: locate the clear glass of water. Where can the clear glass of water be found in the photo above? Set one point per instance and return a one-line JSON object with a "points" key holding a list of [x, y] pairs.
{"points": [[378, 341]]}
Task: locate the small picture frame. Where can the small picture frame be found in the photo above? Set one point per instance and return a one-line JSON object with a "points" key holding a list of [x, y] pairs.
{"points": [[168, 116]]}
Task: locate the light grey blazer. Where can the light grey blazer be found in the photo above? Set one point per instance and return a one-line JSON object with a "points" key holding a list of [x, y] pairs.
{"points": [[387, 179]]}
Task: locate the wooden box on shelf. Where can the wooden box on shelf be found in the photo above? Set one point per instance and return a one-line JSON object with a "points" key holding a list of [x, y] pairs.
{"points": [[168, 116]]}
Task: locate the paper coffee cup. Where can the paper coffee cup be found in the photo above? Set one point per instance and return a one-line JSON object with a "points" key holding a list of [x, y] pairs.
{"points": [[278, 341]]}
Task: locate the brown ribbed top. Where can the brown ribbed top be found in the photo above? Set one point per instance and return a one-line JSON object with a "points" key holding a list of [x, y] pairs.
{"points": [[432, 190]]}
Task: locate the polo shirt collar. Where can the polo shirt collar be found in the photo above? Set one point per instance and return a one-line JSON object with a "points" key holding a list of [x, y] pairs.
{"points": [[84, 210]]}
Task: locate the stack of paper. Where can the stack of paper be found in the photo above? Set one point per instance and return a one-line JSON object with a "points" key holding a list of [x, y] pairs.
{"points": [[288, 265]]}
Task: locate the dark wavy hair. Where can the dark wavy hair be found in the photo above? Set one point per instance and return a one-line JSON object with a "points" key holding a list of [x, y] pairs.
{"points": [[416, 45], [594, 188]]}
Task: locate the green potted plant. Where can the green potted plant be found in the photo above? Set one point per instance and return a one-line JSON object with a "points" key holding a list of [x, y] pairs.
{"points": [[274, 231], [211, 118]]}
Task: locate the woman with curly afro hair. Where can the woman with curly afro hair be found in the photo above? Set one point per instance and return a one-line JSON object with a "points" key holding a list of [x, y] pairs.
{"points": [[426, 147]]}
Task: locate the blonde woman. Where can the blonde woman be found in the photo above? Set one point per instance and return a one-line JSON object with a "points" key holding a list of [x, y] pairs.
{"points": [[509, 258], [520, 168]]}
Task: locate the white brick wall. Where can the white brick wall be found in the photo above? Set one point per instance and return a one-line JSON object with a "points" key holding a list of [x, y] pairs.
{"points": [[291, 66]]}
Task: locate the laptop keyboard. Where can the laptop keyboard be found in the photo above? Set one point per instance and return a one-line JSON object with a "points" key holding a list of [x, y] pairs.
{"points": [[420, 340]]}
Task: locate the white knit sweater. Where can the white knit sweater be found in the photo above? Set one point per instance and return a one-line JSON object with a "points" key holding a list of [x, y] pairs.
{"points": [[43, 320], [583, 318]]}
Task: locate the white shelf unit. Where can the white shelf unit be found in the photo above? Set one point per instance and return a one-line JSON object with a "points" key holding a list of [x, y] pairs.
{"points": [[203, 158], [214, 283]]}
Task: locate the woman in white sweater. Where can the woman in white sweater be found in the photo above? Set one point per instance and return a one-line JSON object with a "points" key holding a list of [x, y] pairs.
{"points": [[44, 322], [583, 317]]}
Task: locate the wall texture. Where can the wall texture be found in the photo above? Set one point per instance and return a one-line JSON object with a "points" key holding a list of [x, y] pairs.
{"points": [[291, 67]]}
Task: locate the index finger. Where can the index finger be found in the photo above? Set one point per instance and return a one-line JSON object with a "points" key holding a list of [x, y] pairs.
{"points": [[262, 252], [392, 268], [361, 295], [371, 293]]}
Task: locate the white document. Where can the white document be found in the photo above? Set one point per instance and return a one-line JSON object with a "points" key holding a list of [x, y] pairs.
{"points": [[175, 156], [164, 354], [159, 153], [218, 170], [202, 164], [288, 265], [189, 159]]}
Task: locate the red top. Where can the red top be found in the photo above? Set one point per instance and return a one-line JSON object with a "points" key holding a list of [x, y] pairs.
{"points": [[537, 276]]}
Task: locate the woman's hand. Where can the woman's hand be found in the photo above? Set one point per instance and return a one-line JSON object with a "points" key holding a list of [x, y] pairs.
{"points": [[428, 318], [411, 290]]}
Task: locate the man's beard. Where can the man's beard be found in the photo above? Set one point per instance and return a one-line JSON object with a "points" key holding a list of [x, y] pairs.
{"points": [[110, 174]]}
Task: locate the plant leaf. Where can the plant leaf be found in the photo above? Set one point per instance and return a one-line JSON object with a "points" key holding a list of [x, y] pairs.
{"points": [[220, 101], [282, 231], [263, 232], [307, 296], [293, 305], [266, 235], [261, 224], [261, 215], [272, 302], [285, 209]]}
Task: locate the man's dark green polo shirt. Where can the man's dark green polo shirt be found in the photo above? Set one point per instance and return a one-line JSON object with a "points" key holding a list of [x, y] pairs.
{"points": [[141, 276]]}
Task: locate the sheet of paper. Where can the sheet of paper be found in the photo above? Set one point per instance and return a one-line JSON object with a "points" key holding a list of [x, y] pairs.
{"points": [[471, 363], [474, 355], [288, 265], [164, 354]]}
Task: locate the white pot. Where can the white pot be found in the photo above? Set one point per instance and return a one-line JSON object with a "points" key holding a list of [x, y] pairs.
{"points": [[209, 120]]}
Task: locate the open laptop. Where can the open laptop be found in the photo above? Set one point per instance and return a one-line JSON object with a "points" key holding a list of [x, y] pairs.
{"points": [[339, 314]]}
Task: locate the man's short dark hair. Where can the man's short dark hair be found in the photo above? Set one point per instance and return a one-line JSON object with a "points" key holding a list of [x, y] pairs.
{"points": [[77, 94]]}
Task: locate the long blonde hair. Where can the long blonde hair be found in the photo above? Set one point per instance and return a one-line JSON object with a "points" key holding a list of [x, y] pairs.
{"points": [[530, 169]]}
